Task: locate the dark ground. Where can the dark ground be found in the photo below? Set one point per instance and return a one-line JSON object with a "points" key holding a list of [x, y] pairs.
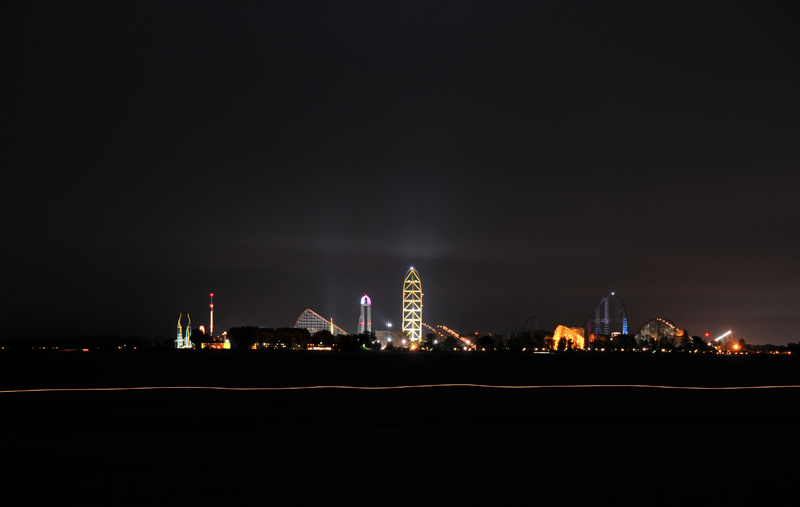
{"points": [[274, 438]]}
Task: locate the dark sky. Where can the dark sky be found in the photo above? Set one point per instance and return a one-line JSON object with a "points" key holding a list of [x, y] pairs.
{"points": [[526, 157]]}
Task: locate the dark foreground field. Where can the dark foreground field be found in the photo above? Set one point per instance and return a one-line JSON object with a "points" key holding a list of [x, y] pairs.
{"points": [[274, 438]]}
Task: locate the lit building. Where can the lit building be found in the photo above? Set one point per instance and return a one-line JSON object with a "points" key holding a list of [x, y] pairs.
{"points": [[312, 321], [217, 345], [412, 306], [365, 321], [609, 317], [221, 343]]}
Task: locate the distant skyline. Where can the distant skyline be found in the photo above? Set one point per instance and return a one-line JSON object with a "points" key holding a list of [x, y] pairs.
{"points": [[526, 158]]}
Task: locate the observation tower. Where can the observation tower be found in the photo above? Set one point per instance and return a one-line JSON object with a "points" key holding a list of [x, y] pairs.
{"points": [[412, 305], [211, 322], [365, 321]]}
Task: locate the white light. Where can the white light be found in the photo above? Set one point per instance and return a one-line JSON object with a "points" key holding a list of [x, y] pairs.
{"points": [[723, 336]]}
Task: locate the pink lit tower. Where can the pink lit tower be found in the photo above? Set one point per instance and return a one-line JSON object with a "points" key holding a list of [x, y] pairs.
{"points": [[365, 321]]}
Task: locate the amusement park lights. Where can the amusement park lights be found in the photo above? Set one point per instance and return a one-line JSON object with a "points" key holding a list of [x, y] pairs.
{"points": [[725, 343], [184, 341], [670, 324], [412, 305], [609, 316], [211, 320], [723, 336], [456, 335], [365, 320]]}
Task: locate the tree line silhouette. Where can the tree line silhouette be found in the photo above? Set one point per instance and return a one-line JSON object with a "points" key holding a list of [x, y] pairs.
{"points": [[260, 338]]}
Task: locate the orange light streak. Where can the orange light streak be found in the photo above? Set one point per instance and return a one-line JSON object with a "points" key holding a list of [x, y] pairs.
{"points": [[372, 388]]}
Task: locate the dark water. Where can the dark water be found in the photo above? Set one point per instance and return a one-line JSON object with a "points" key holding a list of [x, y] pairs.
{"points": [[286, 437]]}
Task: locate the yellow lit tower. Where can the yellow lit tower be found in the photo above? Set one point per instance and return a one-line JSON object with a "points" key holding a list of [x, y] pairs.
{"points": [[412, 306]]}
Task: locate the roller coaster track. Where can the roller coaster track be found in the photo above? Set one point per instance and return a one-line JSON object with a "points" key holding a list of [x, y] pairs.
{"points": [[444, 332]]}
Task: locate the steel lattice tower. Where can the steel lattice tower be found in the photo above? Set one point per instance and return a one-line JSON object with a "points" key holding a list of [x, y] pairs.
{"points": [[412, 305], [609, 317]]}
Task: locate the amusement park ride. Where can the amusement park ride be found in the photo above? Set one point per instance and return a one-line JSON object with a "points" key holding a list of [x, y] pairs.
{"points": [[184, 340], [725, 343], [412, 306], [444, 332]]}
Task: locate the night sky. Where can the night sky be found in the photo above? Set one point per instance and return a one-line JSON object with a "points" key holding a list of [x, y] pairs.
{"points": [[527, 158]]}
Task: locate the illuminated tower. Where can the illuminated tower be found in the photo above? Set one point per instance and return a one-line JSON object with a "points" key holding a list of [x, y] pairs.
{"points": [[412, 305], [609, 317], [179, 340], [211, 324], [365, 321], [187, 343]]}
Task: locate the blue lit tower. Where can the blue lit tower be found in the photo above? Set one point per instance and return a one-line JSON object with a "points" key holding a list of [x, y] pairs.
{"points": [[365, 321], [609, 317]]}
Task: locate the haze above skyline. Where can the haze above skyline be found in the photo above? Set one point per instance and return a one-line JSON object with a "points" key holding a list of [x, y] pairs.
{"points": [[526, 158]]}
